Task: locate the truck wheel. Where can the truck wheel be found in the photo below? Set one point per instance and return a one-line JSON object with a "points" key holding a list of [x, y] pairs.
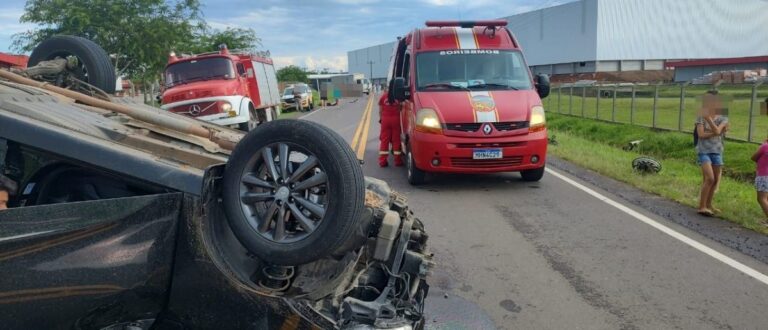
{"points": [[93, 64], [415, 175], [532, 175], [293, 192], [250, 124]]}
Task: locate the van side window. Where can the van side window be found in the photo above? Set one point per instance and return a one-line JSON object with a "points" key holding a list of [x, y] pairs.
{"points": [[407, 68], [240, 69]]}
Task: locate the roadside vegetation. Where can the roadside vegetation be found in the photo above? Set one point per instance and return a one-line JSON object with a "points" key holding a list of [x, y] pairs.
{"points": [[668, 106], [598, 146]]}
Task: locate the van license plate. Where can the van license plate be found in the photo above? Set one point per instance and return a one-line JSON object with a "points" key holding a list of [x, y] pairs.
{"points": [[487, 154]]}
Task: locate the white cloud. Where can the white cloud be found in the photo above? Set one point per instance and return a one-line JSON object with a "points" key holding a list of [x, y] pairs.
{"points": [[333, 63]]}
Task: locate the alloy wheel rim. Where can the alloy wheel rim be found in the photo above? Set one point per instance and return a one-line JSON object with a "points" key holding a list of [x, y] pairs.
{"points": [[284, 193]]}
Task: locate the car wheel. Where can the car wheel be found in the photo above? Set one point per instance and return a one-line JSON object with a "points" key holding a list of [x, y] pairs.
{"points": [[93, 63], [532, 175], [415, 175], [293, 192]]}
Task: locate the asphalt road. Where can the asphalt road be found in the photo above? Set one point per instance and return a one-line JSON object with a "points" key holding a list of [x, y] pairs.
{"points": [[550, 255]]}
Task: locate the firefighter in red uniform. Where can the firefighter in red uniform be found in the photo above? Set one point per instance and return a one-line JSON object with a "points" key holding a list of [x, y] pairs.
{"points": [[389, 112]]}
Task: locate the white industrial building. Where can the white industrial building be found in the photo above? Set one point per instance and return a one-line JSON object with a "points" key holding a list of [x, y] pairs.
{"points": [[591, 36]]}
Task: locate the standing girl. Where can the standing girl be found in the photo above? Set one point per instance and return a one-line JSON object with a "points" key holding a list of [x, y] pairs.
{"points": [[710, 128]]}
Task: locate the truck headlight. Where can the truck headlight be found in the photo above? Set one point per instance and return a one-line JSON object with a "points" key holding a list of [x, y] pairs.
{"points": [[538, 119], [427, 121], [226, 106]]}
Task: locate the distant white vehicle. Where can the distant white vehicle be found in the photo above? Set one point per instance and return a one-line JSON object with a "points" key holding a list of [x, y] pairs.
{"points": [[367, 87]]}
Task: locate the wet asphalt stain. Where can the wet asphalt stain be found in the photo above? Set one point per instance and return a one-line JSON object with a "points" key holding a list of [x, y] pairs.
{"points": [[510, 306], [587, 290]]}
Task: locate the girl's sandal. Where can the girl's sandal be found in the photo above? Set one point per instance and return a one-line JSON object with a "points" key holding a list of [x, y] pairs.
{"points": [[706, 213]]}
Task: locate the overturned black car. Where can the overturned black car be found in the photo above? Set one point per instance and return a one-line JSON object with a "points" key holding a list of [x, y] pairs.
{"points": [[125, 220]]}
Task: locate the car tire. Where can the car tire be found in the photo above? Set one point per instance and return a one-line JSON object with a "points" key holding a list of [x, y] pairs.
{"points": [[95, 66], [532, 175], [331, 198], [415, 175]]}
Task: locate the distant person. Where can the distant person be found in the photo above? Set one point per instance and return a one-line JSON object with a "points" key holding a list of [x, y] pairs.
{"points": [[7, 188], [711, 126], [389, 112], [761, 177]]}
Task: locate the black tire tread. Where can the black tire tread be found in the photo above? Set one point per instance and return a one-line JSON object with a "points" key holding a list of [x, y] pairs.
{"points": [[100, 70], [343, 216]]}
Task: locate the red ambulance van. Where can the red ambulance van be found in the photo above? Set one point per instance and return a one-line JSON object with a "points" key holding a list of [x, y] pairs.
{"points": [[469, 101]]}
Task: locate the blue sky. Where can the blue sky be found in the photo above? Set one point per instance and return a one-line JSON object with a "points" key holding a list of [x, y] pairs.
{"points": [[318, 33]]}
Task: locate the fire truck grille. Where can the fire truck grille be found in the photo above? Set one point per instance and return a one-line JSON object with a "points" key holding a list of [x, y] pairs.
{"points": [[198, 109], [468, 162], [491, 145], [464, 127], [510, 125]]}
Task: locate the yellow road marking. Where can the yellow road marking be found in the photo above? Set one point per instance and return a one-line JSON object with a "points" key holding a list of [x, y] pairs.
{"points": [[359, 129], [360, 138], [364, 139]]}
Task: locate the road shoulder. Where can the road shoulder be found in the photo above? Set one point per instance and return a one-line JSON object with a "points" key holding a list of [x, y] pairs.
{"points": [[729, 234]]}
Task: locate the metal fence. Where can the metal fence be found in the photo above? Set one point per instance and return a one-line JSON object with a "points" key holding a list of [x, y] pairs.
{"points": [[664, 106]]}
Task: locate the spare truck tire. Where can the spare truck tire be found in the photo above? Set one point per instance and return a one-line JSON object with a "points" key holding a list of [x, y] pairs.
{"points": [[293, 192], [94, 66]]}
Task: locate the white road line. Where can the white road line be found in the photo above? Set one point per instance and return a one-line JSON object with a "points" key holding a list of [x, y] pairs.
{"points": [[669, 231], [312, 113]]}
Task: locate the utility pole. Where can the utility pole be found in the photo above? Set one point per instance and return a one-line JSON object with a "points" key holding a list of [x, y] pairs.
{"points": [[370, 63]]}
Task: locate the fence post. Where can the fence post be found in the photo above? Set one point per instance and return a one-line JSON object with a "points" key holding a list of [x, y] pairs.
{"points": [[583, 99], [570, 101], [682, 107], [597, 103], [613, 105], [632, 107], [752, 103], [655, 103], [559, 89]]}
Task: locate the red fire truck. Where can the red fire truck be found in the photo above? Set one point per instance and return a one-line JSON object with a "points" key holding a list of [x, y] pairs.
{"points": [[469, 101], [237, 89]]}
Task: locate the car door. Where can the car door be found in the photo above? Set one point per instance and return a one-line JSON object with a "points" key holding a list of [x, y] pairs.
{"points": [[99, 256]]}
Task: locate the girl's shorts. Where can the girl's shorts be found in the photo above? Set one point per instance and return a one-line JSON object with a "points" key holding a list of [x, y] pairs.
{"points": [[761, 183]]}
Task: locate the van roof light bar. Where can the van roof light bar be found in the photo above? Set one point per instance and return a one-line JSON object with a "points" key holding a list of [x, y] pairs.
{"points": [[467, 24]]}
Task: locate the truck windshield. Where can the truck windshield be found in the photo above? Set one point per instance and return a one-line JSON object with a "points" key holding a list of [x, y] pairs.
{"points": [[196, 70], [472, 70]]}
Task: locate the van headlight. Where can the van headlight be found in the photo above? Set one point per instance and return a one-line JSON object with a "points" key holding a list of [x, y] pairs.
{"points": [[538, 119], [427, 121]]}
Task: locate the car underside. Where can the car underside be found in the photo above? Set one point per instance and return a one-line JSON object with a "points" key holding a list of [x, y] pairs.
{"points": [[132, 217]]}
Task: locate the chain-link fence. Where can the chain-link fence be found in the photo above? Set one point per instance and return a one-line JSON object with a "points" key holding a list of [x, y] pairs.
{"points": [[663, 106]]}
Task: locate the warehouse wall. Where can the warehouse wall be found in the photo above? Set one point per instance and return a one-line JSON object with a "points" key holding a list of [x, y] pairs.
{"points": [[681, 29], [561, 34], [357, 60], [689, 73]]}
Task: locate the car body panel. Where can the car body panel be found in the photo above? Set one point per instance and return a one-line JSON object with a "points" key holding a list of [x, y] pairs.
{"points": [[88, 264]]}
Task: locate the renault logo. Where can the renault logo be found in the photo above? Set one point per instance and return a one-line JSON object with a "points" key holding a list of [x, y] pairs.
{"points": [[487, 129], [194, 110]]}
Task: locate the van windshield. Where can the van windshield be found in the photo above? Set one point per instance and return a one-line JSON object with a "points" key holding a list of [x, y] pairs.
{"points": [[472, 70], [196, 70]]}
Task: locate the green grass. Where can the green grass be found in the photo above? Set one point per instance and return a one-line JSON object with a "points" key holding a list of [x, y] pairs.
{"points": [[679, 180], [668, 107], [656, 143]]}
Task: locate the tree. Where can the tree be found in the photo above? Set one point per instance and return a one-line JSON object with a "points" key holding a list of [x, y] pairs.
{"points": [[292, 73], [138, 33], [234, 38]]}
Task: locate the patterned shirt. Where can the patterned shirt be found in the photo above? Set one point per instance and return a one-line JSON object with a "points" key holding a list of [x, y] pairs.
{"points": [[711, 145]]}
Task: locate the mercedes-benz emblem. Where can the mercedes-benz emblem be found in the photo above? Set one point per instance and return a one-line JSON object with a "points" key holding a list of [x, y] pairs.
{"points": [[487, 129], [194, 110]]}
